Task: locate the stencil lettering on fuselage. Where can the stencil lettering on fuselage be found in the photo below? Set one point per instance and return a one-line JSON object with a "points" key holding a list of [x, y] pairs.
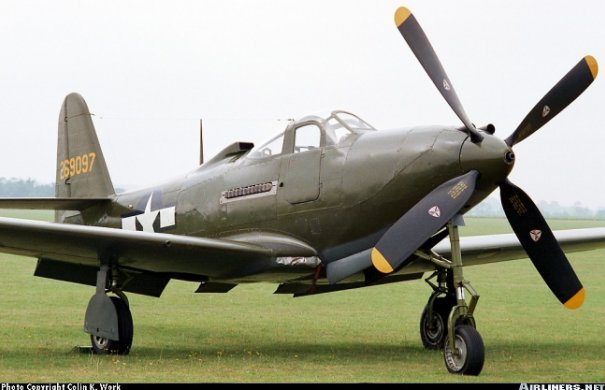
{"points": [[146, 221]]}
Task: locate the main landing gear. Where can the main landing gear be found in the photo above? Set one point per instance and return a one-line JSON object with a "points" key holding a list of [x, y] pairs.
{"points": [[108, 319], [447, 320]]}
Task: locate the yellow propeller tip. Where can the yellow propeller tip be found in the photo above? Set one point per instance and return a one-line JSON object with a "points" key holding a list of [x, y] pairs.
{"points": [[592, 65], [576, 301], [401, 15], [380, 263]]}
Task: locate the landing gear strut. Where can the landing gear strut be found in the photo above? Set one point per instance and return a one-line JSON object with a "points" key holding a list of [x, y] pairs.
{"points": [[447, 320], [108, 319]]}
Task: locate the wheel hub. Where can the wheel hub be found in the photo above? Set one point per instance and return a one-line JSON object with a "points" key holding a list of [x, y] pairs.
{"points": [[435, 327], [456, 356], [101, 342]]}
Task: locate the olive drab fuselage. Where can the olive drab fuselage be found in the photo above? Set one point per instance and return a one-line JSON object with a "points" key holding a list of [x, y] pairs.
{"points": [[337, 198]]}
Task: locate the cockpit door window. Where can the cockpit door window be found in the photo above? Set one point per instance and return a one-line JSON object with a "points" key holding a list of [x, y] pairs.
{"points": [[307, 137]]}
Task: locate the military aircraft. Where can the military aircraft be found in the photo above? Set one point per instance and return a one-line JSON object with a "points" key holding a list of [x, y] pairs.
{"points": [[327, 205]]}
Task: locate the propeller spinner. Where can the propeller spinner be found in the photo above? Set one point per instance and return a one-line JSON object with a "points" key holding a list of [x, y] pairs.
{"points": [[523, 215]]}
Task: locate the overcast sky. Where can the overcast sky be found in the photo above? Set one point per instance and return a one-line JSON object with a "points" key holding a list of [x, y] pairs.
{"points": [[149, 70]]}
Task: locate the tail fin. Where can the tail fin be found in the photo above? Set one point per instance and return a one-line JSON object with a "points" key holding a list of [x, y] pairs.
{"points": [[81, 168]]}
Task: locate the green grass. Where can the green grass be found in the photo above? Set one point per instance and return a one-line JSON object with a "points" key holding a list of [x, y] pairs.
{"points": [[42, 215], [250, 335]]}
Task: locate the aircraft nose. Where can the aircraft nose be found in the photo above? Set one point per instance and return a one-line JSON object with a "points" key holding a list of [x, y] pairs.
{"points": [[492, 157]]}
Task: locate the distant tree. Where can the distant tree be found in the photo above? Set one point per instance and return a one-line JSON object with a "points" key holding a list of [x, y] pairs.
{"points": [[489, 207], [581, 211], [14, 187]]}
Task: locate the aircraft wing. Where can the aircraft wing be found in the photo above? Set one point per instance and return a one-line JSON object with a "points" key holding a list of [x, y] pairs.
{"points": [[475, 250], [147, 252], [503, 247]]}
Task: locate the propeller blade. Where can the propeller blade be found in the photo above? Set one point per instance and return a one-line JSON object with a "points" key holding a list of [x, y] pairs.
{"points": [[420, 222], [560, 96], [541, 246], [420, 45]]}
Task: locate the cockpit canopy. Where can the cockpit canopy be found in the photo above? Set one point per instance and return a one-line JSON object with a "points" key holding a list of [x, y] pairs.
{"points": [[312, 132]]}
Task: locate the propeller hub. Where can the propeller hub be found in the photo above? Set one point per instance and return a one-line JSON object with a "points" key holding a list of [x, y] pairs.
{"points": [[492, 158], [509, 157]]}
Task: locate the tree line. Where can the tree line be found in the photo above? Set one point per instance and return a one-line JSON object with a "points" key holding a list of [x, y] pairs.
{"points": [[491, 207], [14, 187]]}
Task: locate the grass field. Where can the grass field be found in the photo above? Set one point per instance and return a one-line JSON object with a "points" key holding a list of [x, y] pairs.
{"points": [[250, 335]]}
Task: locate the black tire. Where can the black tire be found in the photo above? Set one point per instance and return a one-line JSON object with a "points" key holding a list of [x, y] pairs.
{"points": [[471, 350], [101, 345], [433, 331]]}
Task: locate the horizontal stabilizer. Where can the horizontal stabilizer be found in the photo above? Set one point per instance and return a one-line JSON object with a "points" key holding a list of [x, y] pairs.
{"points": [[52, 203]]}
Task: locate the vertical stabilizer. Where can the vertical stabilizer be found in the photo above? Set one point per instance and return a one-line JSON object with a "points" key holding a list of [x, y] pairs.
{"points": [[81, 168]]}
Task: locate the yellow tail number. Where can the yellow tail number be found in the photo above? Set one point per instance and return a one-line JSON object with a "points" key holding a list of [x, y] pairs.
{"points": [[77, 165]]}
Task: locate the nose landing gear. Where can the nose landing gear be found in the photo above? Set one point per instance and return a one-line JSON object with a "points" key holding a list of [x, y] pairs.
{"points": [[447, 320]]}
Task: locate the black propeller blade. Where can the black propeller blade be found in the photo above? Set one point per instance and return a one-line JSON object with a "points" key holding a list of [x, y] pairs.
{"points": [[560, 96], [420, 45], [541, 246], [422, 221], [526, 220]]}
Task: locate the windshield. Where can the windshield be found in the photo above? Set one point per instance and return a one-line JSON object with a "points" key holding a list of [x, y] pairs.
{"points": [[353, 122], [341, 124]]}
